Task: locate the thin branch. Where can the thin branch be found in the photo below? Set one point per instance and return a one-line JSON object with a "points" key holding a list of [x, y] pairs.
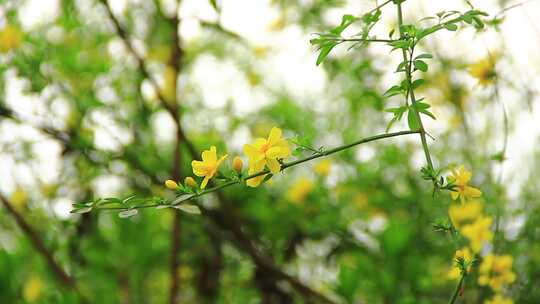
{"points": [[283, 167], [459, 289], [66, 280]]}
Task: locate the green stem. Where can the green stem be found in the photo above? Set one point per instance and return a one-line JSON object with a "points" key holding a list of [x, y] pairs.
{"points": [[457, 290], [283, 167], [411, 91]]}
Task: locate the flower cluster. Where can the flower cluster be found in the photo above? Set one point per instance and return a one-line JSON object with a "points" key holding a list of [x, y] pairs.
{"points": [[468, 218], [263, 154]]}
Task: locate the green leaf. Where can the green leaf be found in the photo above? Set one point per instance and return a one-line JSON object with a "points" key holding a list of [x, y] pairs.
{"points": [[128, 213], [420, 65], [182, 198], [412, 121], [395, 90], [450, 26], [346, 20], [424, 56], [192, 209], [81, 210], [417, 83], [324, 51]]}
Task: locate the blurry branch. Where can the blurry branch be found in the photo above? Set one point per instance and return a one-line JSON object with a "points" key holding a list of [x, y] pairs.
{"points": [[506, 9], [175, 62], [232, 225], [459, 289], [39, 246]]}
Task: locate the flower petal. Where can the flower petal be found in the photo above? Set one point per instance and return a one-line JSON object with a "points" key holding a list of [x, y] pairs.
{"points": [[205, 181], [209, 155], [273, 165], [274, 137]]}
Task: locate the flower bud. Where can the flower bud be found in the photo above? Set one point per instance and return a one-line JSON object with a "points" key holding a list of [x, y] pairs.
{"points": [[237, 164], [190, 182], [170, 184]]}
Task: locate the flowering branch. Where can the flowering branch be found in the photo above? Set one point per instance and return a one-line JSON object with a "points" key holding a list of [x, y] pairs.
{"points": [[186, 197]]}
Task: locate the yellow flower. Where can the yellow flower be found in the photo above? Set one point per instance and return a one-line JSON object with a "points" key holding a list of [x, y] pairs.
{"points": [[495, 271], [18, 199], [169, 84], [460, 178], [265, 152], [208, 167], [323, 167], [498, 299], [484, 70], [463, 213], [32, 289], [478, 232], [464, 253], [190, 182], [10, 38], [170, 184], [299, 190], [237, 164]]}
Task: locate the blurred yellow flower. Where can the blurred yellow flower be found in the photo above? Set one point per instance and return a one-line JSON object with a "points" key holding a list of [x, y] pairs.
{"points": [[18, 199], [10, 38], [190, 182], [484, 70], [299, 190], [463, 213], [495, 271], [498, 299], [208, 167], [323, 167], [170, 184], [169, 84], [464, 253], [32, 289], [460, 178], [478, 232], [265, 152]]}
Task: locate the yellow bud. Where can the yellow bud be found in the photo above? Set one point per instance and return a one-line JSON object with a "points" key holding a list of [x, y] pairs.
{"points": [[190, 182], [237, 164], [170, 184]]}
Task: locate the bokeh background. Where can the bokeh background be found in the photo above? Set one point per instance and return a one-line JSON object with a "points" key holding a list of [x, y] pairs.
{"points": [[80, 118]]}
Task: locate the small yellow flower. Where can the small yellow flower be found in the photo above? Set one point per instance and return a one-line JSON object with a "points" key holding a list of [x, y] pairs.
{"points": [[323, 167], [498, 299], [237, 164], [19, 199], [464, 253], [484, 70], [299, 190], [495, 271], [32, 289], [10, 38], [478, 232], [170, 184], [460, 178], [208, 167], [190, 182], [265, 152], [464, 213]]}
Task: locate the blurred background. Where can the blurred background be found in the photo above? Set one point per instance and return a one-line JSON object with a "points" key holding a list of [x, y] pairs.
{"points": [[101, 99]]}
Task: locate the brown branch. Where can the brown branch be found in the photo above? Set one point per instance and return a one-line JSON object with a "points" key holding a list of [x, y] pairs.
{"points": [[175, 60], [222, 219], [66, 280]]}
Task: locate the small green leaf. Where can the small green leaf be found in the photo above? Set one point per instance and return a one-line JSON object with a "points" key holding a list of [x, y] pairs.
{"points": [[192, 209], [417, 83], [183, 197], [412, 121], [324, 51], [450, 26], [424, 56], [420, 65], [128, 213], [81, 210]]}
